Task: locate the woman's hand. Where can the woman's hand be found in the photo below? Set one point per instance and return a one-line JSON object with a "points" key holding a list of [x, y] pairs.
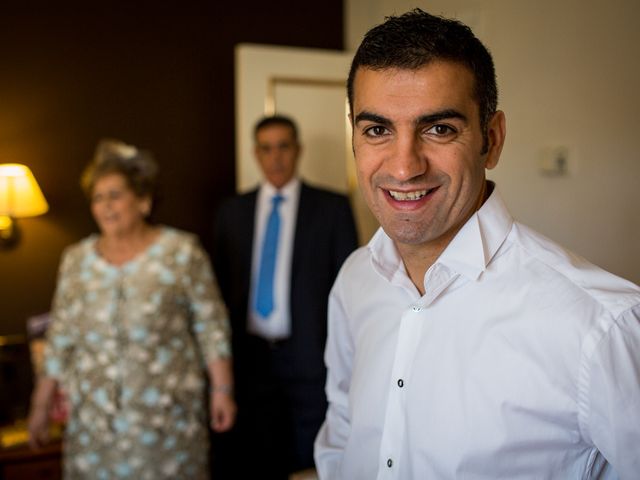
{"points": [[38, 425], [38, 422], [222, 408]]}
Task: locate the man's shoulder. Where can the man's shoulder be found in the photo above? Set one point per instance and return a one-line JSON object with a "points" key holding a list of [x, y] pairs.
{"points": [[356, 264], [614, 293], [329, 202], [238, 201], [322, 194]]}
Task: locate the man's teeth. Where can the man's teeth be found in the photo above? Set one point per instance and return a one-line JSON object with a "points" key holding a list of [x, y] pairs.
{"points": [[403, 196]]}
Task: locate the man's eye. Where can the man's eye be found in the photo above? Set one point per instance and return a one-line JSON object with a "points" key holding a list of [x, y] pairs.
{"points": [[375, 131], [440, 130]]}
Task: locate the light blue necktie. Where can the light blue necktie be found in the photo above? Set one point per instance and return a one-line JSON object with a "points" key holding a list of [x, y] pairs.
{"points": [[264, 291]]}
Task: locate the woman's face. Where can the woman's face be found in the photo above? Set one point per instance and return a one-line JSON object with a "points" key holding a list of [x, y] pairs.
{"points": [[115, 207]]}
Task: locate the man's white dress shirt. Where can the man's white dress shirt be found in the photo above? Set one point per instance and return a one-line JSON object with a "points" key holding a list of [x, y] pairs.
{"points": [[278, 324], [521, 361]]}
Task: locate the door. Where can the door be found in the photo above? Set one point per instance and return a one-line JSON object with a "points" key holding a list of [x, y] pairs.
{"points": [[310, 86]]}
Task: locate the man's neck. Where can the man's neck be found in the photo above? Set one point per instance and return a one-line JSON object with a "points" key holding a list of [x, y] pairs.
{"points": [[418, 259], [290, 185]]}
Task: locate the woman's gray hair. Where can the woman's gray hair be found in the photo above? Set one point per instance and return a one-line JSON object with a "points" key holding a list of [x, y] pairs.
{"points": [[138, 167]]}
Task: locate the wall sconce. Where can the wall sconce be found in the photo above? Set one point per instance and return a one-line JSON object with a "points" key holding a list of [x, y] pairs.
{"points": [[20, 196]]}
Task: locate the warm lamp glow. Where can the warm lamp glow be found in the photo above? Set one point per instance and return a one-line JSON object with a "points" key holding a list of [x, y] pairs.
{"points": [[5, 222], [20, 196]]}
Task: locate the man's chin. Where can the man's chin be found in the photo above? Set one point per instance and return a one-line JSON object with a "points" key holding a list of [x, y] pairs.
{"points": [[409, 234]]}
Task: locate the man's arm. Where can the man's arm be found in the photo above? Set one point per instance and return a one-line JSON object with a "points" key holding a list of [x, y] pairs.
{"points": [[333, 435], [613, 389]]}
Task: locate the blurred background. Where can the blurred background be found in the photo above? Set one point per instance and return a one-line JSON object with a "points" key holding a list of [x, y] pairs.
{"points": [[160, 75]]}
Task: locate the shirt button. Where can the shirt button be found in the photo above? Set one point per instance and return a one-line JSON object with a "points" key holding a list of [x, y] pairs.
{"points": [[389, 463], [417, 308], [400, 383]]}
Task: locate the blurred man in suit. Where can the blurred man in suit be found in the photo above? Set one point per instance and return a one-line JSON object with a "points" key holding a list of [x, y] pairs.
{"points": [[277, 250]]}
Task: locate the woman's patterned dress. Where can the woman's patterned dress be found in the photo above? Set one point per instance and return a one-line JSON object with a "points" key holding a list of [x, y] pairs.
{"points": [[129, 345]]}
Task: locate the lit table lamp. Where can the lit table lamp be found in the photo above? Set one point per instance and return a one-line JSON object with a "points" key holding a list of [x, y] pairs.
{"points": [[20, 196]]}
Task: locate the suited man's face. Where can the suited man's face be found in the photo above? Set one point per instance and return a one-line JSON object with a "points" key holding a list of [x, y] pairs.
{"points": [[277, 153]]}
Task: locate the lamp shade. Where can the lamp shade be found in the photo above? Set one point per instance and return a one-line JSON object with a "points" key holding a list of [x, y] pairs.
{"points": [[20, 195]]}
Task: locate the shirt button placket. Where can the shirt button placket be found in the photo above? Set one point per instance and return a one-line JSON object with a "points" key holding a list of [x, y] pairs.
{"points": [[395, 430]]}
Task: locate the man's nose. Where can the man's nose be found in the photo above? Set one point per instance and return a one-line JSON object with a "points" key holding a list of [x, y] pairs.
{"points": [[407, 160], [274, 151]]}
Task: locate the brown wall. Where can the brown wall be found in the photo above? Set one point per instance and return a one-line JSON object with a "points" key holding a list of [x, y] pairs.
{"points": [[158, 75]]}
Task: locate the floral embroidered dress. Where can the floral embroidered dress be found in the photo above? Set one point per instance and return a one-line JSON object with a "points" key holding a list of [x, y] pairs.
{"points": [[130, 345]]}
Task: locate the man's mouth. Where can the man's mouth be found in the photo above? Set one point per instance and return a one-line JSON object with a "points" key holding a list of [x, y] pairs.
{"points": [[409, 196]]}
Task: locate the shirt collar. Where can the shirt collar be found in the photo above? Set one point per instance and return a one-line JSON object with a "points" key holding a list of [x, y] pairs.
{"points": [[478, 240], [384, 255], [289, 190], [468, 253]]}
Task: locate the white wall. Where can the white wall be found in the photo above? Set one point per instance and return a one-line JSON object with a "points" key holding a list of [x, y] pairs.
{"points": [[569, 76], [290, 70]]}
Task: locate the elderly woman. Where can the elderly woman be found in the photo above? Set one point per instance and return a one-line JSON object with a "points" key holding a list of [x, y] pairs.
{"points": [[137, 321]]}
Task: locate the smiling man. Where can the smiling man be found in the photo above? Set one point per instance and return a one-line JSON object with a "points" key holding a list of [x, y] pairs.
{"points": [[461, 343]]}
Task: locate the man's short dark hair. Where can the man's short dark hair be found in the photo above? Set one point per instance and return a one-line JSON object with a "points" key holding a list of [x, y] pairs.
{"points": [[413, 40], [276, 120]]}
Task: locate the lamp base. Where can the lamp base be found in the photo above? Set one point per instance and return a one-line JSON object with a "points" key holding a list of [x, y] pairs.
{"points": [[9, 233]]}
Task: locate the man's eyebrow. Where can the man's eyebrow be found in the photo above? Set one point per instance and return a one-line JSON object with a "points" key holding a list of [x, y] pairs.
{"points": [[372, 117], [283, 143], [439, 116], [422, 120]]}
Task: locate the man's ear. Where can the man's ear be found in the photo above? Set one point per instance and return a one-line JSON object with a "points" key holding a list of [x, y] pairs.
{"points": [[350, 115], [496, 133]]}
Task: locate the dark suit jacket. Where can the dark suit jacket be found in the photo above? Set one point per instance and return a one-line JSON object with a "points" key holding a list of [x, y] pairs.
{"points": [[324, 236]]}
